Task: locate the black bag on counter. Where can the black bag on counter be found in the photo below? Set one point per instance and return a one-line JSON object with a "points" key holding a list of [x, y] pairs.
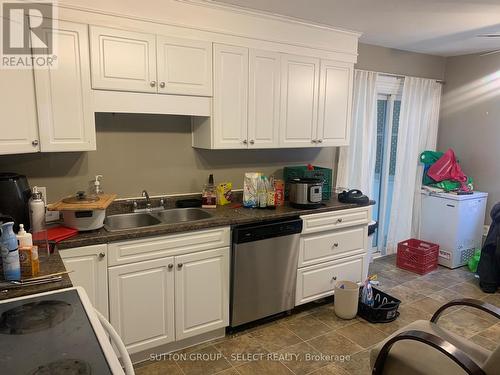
{"points": [[353, 196]]}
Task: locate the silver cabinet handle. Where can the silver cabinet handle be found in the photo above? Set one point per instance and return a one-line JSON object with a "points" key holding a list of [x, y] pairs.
{"points": [[152, 83], [339, 220], [245, 141], [162, 84], [170, 266], [336, 244], [320, 141], [252, 141], [102, 255], [179, 265], [35, 142], [313, 140]]}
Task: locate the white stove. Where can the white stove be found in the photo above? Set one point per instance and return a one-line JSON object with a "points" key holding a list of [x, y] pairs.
{"points": [[57, 332]]}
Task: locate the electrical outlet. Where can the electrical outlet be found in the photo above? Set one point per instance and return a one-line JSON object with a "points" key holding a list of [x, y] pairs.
{"points": [[43, 190], [49, 215]]}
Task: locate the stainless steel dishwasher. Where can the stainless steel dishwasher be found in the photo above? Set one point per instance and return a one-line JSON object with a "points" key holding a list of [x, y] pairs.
{"points": [[264, 269]]}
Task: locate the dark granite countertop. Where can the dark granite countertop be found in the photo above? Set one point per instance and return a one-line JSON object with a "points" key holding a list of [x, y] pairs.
{"points": [[222, 216], [48, 265]]}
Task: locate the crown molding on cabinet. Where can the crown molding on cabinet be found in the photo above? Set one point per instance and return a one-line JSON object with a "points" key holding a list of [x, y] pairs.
{"points": [[195, 16], [269, 15]]}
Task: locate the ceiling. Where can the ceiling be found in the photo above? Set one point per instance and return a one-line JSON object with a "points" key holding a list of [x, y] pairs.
{"points": [[438, 27]]}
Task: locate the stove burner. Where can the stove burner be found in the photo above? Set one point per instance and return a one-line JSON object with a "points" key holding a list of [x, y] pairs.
{"points": [[34, 317], [64, 367]]}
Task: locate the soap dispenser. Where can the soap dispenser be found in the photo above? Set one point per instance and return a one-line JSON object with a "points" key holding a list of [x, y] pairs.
{"points": [[97, 185]]}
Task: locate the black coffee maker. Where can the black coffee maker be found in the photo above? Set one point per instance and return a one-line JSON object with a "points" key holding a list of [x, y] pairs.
{"points": [[15, 193]]}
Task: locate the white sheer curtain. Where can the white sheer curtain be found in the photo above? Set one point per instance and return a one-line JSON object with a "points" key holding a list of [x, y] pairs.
{"points": [[418, 125], [356, 165]]}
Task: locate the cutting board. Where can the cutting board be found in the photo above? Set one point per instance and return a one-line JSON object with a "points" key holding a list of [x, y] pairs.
{"points": [[104, 201]]}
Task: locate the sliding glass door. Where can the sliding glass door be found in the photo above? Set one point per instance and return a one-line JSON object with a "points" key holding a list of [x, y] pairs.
{"points": [[388, 108]]}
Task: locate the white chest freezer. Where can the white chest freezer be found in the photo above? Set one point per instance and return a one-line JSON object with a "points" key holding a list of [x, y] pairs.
{"points": [[455, 222]]}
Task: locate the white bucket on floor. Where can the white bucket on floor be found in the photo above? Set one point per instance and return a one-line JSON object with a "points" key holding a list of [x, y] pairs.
{"points": [[346, 299]]}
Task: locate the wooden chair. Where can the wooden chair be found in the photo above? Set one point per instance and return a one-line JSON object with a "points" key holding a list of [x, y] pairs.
{"points": [[424, 348]]}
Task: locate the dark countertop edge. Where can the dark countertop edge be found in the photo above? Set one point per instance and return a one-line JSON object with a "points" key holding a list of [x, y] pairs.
{"points": [[245, 216], [52, 264]]}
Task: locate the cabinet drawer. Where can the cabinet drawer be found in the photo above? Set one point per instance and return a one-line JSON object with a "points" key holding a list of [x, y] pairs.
{"points": [[159, 247], [336, 219], [330, 245], [318, 281]]}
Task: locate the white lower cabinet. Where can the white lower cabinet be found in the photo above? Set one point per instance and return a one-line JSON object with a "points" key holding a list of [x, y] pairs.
{"points": [[168, 288], [88, 269], [159, 301], [201, 292], [141, 297], [333, 247], [318, 281]]}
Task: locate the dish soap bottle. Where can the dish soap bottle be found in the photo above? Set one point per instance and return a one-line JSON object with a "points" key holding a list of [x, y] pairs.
{"points": [[10, 253], [209, 196], [28, 254]]}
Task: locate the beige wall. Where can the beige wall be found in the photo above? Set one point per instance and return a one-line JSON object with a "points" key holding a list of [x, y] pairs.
{"points": [[136, 152], [470, 119], [396, 61]]}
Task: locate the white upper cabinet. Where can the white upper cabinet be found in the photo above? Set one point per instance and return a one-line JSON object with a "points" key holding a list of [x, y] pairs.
{"points": [[299, 101], [123, 60], [264, 99], [63, 93], [184, 66], [335, 101], [19, 127], [230, 107]]}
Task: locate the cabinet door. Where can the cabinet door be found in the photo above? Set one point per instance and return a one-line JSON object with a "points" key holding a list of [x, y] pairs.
{"points": [[123, 60], [335, 100], [19, 126], [184, 66], [201, 292], [90, 271], [141, 303], [63, 93], [264, 99], [230, 104], [299, 101]]}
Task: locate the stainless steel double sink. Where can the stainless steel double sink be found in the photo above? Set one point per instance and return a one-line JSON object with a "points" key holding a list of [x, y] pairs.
{"points": [[136, 220]]}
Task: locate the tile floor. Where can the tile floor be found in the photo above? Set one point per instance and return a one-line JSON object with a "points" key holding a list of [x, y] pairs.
{"points": [[297, 341]]}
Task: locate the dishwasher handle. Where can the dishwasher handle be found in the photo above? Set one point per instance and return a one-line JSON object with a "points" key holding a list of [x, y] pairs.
{"points": [[257, 232]]}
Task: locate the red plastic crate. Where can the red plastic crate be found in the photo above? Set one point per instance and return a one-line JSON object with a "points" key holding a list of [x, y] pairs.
{"points": [[417, 256]]}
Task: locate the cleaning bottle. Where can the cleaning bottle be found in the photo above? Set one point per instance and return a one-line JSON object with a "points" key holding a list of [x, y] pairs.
{"points": [[367, 293], [209, 196], [10, 253]]}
